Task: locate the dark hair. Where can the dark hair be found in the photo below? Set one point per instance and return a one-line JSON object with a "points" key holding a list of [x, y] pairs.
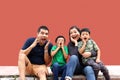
{"points": [[85, 30], [78, 29], [60, 36], [75, 28], [42, 27]]}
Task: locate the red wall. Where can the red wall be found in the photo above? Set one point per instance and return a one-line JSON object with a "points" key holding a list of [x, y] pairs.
{"points": [[19, 19]]}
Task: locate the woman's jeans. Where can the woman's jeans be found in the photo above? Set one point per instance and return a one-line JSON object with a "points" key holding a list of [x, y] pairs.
{"points": [[58, 70], [73, 65]]}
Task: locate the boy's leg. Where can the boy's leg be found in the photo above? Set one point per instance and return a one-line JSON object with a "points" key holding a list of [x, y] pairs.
{"points": [[40, 71], [55, 70], [95, 66], [23, 65], [105, 71], [63, 72]]}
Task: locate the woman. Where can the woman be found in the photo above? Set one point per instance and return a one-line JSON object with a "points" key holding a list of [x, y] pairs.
{"points": [[74, 64]]}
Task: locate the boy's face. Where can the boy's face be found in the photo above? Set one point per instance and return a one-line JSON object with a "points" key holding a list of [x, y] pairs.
{"points": [[42, 36], [74, 34], [60, 41], [85, 36]]}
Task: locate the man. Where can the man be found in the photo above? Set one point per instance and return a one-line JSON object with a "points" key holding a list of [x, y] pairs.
{"points": [[35, 55]]}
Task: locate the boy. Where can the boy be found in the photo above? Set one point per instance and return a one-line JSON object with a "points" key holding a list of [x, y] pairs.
{"points": [[86, 46], [59, 54]]}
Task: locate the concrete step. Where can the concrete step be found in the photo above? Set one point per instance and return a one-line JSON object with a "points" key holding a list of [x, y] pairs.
{"points": [[11, 73]]}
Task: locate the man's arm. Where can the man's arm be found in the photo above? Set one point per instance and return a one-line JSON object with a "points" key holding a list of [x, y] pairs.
{"points": [[27, 50], [47, 57]]}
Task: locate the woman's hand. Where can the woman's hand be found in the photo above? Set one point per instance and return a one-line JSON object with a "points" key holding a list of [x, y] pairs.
{"points": [[74, 41]]}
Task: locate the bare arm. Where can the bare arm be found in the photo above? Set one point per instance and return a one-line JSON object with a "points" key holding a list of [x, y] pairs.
{"points": [[64, 53], [55, 51], [74, 41], [98, 56], [27, 51], [46, 55], [81, 50]]}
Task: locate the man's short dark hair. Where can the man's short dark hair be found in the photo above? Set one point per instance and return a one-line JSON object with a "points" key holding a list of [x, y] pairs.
{"points": [[42, 27], [85, 30], [60, 37]]}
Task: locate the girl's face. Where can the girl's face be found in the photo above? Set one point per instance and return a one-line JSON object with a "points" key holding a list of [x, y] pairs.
{"points": [[74, 33]]}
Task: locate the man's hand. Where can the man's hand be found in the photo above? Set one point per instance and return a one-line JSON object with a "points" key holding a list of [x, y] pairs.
{"points": [[35, 42], [46, 46]]}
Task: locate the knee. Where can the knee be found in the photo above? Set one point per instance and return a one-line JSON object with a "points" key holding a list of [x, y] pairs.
{"points": [[88, 70], [96, 66], [41, 74], [104, 70], [55, 65], [73, 58]]}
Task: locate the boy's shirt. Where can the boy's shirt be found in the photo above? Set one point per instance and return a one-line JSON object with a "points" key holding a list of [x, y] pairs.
{"points": [[90, 45], [59, 57]]}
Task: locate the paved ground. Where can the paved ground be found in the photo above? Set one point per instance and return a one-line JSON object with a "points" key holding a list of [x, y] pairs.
{"points": [[7, 71]]}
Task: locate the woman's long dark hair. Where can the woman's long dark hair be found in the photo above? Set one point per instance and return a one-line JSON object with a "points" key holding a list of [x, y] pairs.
{"points": [[78, 29]]}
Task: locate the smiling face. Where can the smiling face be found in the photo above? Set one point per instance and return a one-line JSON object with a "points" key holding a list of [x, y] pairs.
{"points": [[43, 36], [74, 33], [85, 35]]}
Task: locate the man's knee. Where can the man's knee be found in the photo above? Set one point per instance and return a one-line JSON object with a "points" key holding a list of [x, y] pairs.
{"points": [[41, 73]]}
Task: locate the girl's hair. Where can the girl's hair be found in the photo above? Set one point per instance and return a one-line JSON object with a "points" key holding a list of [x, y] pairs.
{"points": [[75, 28]]}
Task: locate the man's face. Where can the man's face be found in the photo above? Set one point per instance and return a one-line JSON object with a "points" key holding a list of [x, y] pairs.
{"points": [[42, 36]]}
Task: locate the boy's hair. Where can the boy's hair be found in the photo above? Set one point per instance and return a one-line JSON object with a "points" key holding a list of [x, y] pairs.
{"points": [[84, 30], [60, 36], [42, 27]]}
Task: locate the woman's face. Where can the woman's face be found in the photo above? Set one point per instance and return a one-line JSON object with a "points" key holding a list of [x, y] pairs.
{"points": [[74, 33]]}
